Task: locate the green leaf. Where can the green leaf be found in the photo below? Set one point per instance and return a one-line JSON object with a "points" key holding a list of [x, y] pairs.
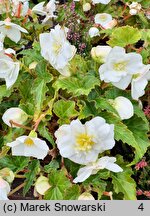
{"points": [[15, 163], [123, 133], [31, 55], [45, 133], [140, 130], [53, 165], [133, 132], [145, 35], [39, 88], [31, 175], [145, 3], [87, 109], [114, 92], [71, 167], [4, 92], [59, 185], [77, 86], [12, 134], [65, 110], [98, 185], [124, 36], [42, 72], [144, 20], [123, 182], [4, 151], [72, 193], [104, 104], [54, 193], [24, 84], [139, 112], [104, 174]]}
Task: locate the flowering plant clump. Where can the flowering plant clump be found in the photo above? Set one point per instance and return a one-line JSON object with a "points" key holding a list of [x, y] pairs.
{"points": [[74, 94]]}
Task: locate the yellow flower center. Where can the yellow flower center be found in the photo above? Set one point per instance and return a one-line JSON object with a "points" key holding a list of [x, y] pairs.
{"points": [[136, 75], [7, 27], [29, 142], [120, 66], [103, 17], [57, 47], [84, 142]]}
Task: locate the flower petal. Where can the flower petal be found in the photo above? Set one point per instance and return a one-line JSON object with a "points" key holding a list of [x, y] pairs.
{"points": [[124, 107], [137, 88], [123, 83], [13, 75], [83, 174], [34, 151], [18, 149], [14, 34], [114, 167]]}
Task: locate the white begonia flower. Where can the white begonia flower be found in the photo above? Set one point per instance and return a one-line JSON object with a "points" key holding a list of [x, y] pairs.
{"points": [[82, 143], [25, 7], [139, 82], [29, 146], [9, 69], [103, 19], [56, 49], [39, 9], [47, 10], [86, 7], [42, 185], [11, 30], [119, 67], [86, 196], [92, 168], [99, 53], [135, 7], [133, 11], [123, 106], [93, 32], [50, 8], [101, 1], [4, 189], [15, 114], [7, 174], [21, 6]]}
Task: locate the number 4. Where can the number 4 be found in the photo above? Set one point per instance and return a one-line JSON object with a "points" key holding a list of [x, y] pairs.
{"points": [[141, 207]]}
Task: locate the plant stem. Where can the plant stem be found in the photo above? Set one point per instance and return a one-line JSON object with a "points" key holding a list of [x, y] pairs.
{"points": [[19, 176], [38, 121], [62, 162], [127, 17], [19, 125], [124, 9], [7, 8], [108, 194], [19, 10], [16, 189]]}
